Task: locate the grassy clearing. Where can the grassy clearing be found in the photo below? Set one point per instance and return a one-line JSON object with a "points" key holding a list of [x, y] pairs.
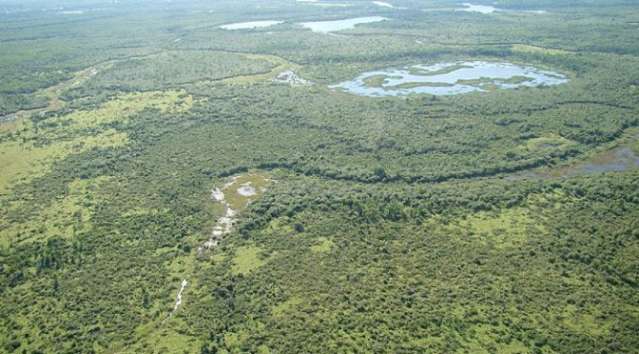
{"points": [[548, 143], [22, 160], [238, 201], [506, 228], [65, 218], [181, 267], [172, 337], [125, 106], [279, 226], [509, 227], [584, 323], [246, 260], [483, 341], [279, 65], [524, 48], [323, 246], [284, 307]]}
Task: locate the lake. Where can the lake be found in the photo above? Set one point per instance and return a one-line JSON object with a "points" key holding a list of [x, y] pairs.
{"points": [[448, 79], [340, 25], [483, 9], [250, 25], [487, 9]]}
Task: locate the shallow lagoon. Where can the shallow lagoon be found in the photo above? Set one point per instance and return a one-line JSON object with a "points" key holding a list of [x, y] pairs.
{"points": [[340, 25], [448, 79]]}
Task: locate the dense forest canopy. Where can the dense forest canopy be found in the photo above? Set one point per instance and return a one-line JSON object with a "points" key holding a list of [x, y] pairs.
{"points": [[185, 177]]}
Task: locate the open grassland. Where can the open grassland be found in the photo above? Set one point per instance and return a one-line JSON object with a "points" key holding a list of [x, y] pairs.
{"points": [[25, 156]]}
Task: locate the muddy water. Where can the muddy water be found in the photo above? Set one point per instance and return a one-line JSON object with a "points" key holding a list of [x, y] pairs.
{"points": [[617, 160]]}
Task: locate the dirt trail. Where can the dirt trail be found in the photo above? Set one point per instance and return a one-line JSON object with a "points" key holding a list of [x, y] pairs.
{"points": [[241, 190], [224, 224], [178, 299], [234, 197]]}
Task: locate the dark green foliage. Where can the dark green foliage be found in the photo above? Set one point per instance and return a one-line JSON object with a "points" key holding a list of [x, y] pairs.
{"points": [[394, 225]]}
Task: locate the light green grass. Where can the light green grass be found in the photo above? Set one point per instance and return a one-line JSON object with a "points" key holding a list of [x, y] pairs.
{"points": [[64, 218], [482, 339], [125, 106], [239, 202], [548, 143], [284, 307], [324, 245], [22, 162], [506, 228], [279, 226], [168, 338], [279, 65], [246, 260], [584, 323], [523, 48]]}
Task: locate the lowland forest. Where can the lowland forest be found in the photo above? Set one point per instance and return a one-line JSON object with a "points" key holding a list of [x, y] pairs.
{"points": [[319, 176]]}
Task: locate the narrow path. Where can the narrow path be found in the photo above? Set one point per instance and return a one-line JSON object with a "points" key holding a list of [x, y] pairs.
{"points": [[224, 224], [178, 299]]}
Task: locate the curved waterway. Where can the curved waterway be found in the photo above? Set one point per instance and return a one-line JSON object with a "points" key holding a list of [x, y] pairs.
{"points": [[449, 79]]}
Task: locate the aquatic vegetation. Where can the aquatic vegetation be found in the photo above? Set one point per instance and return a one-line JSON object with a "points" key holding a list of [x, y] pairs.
{"points": [[448, 79]]}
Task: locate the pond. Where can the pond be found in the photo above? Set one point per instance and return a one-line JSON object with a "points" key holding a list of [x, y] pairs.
{"points": [[250, 25], [383, 4], [487, 9], [324, 4], [448, 79], [617, 160], [482, 9], [340, 25]]}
